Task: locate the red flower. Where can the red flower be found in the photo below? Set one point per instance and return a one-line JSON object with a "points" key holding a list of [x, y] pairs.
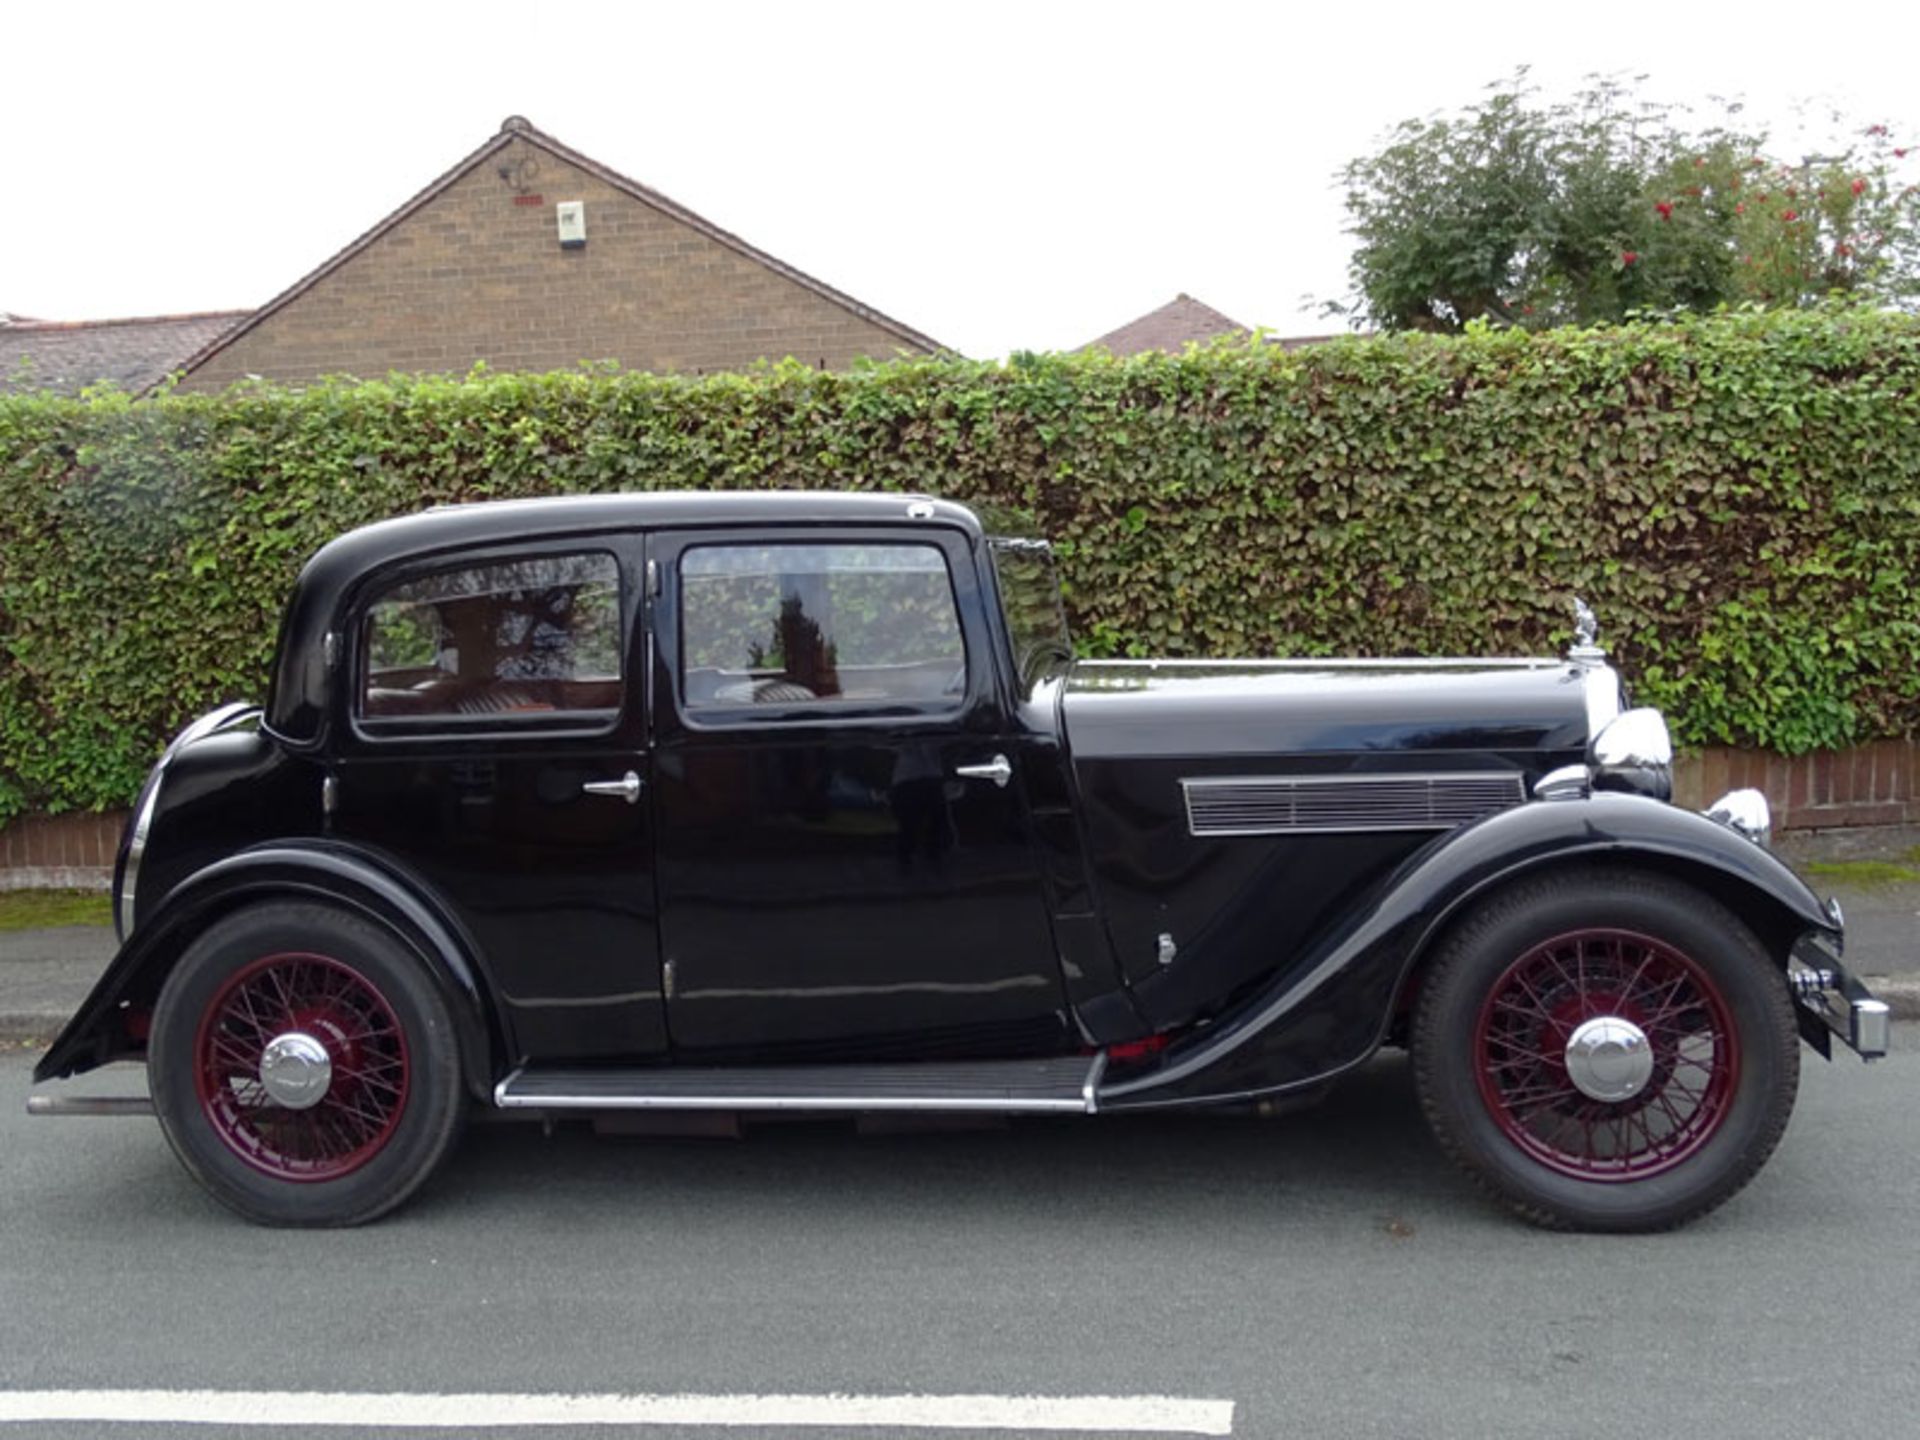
{"points": [[1789, 214], [1876, 129], [1740, 208], [1859, 187], [1665, 208], [1899, 154], [1628, 257], [1843, 251]]}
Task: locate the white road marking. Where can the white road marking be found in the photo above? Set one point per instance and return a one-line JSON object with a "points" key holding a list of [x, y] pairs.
{"points": [[1099, 1414]]}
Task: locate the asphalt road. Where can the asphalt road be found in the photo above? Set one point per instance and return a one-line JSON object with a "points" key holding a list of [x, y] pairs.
{"points": [[1326, 1272]]}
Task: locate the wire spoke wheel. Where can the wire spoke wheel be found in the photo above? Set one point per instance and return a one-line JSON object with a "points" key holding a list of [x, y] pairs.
{"points": [[1603, 1048], [1606, 1054], [301, 1066]]}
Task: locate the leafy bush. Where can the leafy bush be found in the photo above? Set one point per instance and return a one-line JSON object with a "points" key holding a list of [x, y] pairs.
{"points": [[1584, 211], [1738, 497]]}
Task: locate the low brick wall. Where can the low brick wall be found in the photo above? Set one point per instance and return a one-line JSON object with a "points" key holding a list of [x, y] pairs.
{"points": [[1876, 784], [65, 852]]}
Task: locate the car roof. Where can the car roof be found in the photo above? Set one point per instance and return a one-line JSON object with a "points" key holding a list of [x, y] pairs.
{"points": [[296, 702]]}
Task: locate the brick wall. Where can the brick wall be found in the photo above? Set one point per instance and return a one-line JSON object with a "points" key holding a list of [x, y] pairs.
{"points": [[1876, 784], [473, 275], [64, 852]]}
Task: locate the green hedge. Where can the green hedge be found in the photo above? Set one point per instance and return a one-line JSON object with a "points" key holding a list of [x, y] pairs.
{"points": [[1736, 496]]}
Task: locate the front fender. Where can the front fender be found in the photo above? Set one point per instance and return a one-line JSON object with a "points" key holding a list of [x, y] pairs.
{"points": [[364, 883], [1330, 1008]]}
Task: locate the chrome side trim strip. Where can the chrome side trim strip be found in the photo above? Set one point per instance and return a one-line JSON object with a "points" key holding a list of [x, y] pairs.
{"points": [[136, 849], [954, 1105], [1424, 662], [1347, 804]]}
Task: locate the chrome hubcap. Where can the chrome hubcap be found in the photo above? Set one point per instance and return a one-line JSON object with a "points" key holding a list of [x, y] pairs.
{"points": [[1609, 1059], [296, 1070]]}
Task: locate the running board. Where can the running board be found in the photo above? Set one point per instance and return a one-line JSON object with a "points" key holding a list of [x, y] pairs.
{"points": [[89, 1105], [1064, 1084]]}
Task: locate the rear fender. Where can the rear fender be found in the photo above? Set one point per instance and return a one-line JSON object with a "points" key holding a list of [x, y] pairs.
{"points": [[109, 1024], [1331, 1007]]}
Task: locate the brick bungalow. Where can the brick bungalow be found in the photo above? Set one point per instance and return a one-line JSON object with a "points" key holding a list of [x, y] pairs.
{"points": [[475, 268]]}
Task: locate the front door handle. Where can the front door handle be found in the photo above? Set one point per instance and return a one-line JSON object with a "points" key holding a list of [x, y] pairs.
{"points": [[999, 770], [626, 788]]}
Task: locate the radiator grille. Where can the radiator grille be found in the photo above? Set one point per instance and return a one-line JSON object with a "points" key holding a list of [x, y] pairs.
{"points": [[1264, 806]]}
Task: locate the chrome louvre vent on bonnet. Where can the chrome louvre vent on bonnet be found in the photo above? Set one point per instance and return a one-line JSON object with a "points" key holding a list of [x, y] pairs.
{"points": [[1266, 806]]}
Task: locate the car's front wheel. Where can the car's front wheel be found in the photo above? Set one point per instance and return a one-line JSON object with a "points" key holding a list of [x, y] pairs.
{"points": [[303, 1066], [1606, 1050]]}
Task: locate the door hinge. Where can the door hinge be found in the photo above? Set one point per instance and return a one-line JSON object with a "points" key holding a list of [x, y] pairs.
{"points": [[666, 980]]}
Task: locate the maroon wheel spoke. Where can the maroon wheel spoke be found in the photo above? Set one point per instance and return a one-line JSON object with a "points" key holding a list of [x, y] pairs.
{"points": [[233, 1057], [302, 1067], [1520, 1053], [1551, 1026]]}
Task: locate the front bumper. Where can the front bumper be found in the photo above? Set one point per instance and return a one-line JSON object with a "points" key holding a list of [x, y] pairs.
{"points": [[1830, 1000]]}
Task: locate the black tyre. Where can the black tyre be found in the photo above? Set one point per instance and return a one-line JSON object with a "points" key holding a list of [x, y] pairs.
{"points": [[303, 1066], [1606, 1050]]}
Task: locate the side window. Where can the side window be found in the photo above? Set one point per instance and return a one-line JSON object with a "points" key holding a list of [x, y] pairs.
{"points": [[517, 640], [847, 625]]}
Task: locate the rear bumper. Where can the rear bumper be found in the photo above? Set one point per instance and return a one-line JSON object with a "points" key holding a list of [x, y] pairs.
{"points": [[1831, 1001]]}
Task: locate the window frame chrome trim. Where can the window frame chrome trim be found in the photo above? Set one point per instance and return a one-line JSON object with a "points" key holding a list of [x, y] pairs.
{"points": [[356, 606], [833, 712]]}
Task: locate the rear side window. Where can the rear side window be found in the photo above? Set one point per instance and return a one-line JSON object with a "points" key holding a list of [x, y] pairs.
{"points": [[830, 625], [515, 641]]}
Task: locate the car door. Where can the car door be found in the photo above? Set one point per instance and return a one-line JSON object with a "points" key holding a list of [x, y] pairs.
{"points": [[845, 867], [494, 742]]}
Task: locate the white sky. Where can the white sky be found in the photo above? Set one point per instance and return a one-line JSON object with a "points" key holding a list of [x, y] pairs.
{"points": [[998, 175]]}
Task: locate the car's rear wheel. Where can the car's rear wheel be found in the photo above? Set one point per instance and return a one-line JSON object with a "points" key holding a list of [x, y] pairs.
{"points": [[303, 1066], [1606, 1050]]}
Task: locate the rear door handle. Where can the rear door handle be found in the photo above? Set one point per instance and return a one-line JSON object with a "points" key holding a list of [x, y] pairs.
{"points": [[999, 770], [626, 788]]}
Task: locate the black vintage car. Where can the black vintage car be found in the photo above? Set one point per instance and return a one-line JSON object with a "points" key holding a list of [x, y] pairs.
{"points": [[800, 802]]}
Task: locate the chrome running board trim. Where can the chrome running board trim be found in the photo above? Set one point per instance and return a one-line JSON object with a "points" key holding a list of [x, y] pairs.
{"points": [[89, 1105], [1090, 1088], [1067, 1085]]}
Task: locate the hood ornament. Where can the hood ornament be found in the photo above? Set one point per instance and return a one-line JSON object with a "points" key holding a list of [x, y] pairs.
{"points": [[1585, 649]]}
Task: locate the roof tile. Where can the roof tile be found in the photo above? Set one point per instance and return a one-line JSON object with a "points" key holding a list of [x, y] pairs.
{"points": [[66, 356]]}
